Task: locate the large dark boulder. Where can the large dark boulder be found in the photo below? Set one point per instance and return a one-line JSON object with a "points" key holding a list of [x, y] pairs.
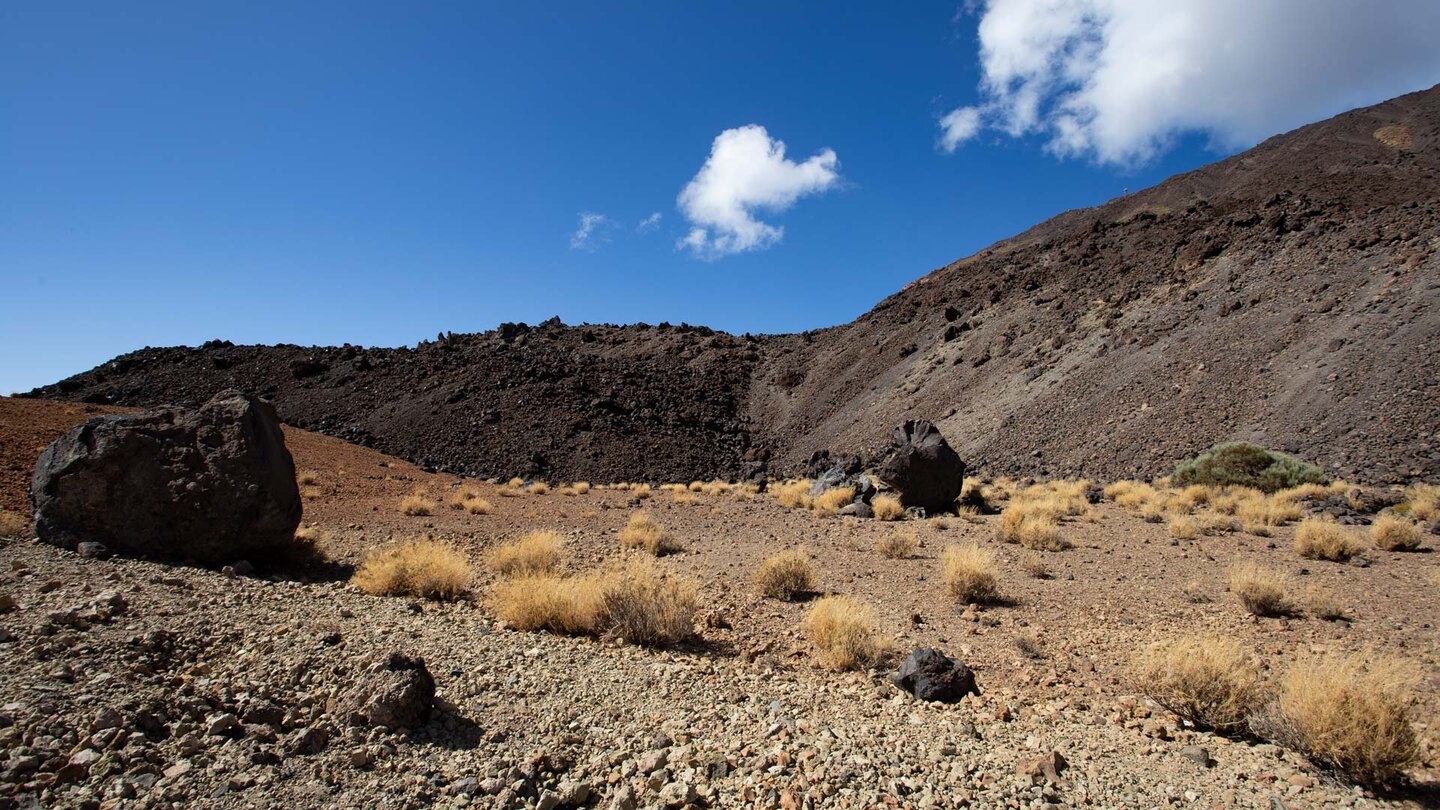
{"points": [[929, 674], [395, 693], [212, 484], [922, 467]]}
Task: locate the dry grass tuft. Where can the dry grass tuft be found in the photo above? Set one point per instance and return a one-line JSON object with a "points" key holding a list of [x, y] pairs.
{"points": [[1034, 564], [425, 568], [1422, 502], [1208, 680], [1184, 527], [686, 498], [1031, 526], [641, 531], [833, 499], [785, 575], [897, 546], [634, 601], [793, 494], [1195, 591], [539, 488], [1262, 591], [887, 507], [1321, 603], [307, 478], [641, 491], [478, 506], [417, 505], [567, 605], [844, 632], [535, 553], [1350, 714], [969, 573], [1393, 533], [1319, 539], [13, 524], [458, 498], [642, 605]]}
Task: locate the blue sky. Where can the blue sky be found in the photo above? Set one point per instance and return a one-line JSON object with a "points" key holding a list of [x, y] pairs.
{"points": [[375, 173]]}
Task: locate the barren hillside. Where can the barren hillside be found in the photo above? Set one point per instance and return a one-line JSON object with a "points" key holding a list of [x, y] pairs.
{"points": [[1287, 295]]}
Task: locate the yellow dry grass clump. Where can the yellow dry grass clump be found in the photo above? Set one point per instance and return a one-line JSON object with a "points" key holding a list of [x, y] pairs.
{"points": [[1392, 533], [417, 505], [1034, 565], [633, 600], [13, 524], [478, 506], [887, 507], [1184, 527], [539, 488], [1350, 713], [686, 498], [536, 553], [1422, 502], [641, 531], [896, 545], [1319, 539], [785, 575], [307, 478], [1208, 680], [833, 499], [793, 494], [1321, 603], [1261, 591], [969, 573], [565, 605], [425, 568], [844, 632], [641, 491], [1030, 524]]}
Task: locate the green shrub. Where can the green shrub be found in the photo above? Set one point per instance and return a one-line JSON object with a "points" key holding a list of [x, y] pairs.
{"points": [[1246, 465]]}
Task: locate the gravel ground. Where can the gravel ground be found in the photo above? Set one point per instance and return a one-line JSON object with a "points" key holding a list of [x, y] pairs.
{"points": [[531, 719], [114, 673]]}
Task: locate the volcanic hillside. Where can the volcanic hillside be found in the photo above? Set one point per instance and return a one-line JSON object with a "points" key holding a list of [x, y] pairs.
{"points": [[1287, 295]]}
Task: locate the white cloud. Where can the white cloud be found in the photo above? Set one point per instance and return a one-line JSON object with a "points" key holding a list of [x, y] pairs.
{"points": [[747, 171], [649, 223], [593, 228], [959, 125], [1118, 80]]}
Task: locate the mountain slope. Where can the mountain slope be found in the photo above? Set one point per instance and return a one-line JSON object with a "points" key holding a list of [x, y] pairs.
{"points": [[1287, 295]]}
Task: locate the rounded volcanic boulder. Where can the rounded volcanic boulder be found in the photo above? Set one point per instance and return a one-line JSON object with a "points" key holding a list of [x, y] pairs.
{"points": [[922, 466], [929, 674], [211, 484], [395, 693]]}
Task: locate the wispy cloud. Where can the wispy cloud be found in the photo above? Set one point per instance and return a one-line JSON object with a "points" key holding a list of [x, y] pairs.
{"points": [[1117, 81], [747, 171], [649, 223], [594, 229]]}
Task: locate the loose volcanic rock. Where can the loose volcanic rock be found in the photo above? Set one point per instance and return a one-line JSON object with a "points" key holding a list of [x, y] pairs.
{"points": [[395, 693], [929, 674], [209, 484], [923, 467]]}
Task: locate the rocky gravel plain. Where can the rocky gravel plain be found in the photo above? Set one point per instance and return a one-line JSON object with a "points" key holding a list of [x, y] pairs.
{"points": [[129, 683], [133, 683]]}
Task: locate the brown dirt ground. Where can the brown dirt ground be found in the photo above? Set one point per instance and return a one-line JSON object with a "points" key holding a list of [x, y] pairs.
{"points": [[1117, 589]]}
